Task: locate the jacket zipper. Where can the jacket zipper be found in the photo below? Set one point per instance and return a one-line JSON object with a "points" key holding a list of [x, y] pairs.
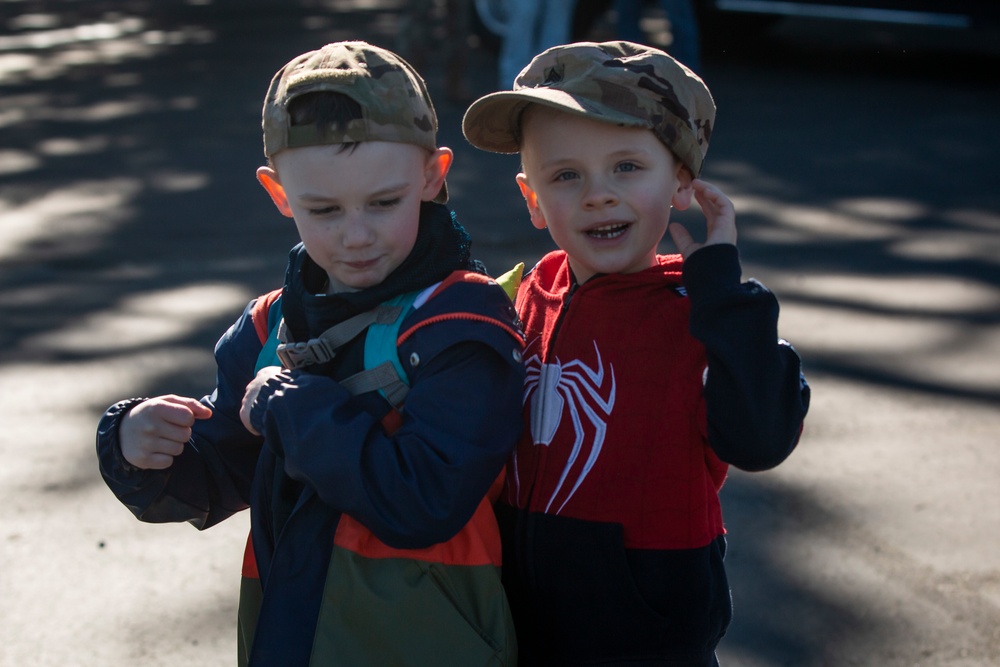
{"points": [[562, 315]]}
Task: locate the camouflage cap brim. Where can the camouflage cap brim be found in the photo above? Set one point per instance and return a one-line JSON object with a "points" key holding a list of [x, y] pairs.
{"points": [[493, 122]]}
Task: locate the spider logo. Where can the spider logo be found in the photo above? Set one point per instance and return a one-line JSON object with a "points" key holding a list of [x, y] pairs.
{"points": [[578, 389]]}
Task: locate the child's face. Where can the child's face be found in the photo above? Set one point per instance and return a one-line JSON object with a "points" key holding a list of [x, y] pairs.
{"points": [[603, 191], [357, 212]]}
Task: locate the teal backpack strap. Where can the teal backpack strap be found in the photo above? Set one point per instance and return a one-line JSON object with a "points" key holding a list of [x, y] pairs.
{"points": [[383, 370], [324, 347], [269, 353]]}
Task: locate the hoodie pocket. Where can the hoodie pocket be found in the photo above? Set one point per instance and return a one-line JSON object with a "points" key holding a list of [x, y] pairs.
{"points": [[400, 611]]}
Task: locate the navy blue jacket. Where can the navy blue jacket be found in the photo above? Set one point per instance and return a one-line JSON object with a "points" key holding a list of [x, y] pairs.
{"points": [[327, 455]]}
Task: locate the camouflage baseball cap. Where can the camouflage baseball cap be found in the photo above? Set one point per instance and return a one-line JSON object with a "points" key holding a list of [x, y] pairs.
{"points": [[615, 82], [394, 100]]}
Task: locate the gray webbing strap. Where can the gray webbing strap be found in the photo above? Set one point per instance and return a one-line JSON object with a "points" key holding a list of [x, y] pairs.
{"points": [[384, 377], [324, 348]]}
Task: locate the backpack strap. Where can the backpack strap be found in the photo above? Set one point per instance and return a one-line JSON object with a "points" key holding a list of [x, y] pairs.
{"points": [[269, 352], [324, 347], [383, 372], [383, 378]]}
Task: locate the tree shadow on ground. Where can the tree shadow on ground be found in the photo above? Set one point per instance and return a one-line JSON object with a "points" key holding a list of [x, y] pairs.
{"points": [[779, 619]]}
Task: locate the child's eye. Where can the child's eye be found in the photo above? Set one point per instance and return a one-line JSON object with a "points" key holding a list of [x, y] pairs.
{"points": [[565, 176], [628, 166], [387, 203], [323, 210]]}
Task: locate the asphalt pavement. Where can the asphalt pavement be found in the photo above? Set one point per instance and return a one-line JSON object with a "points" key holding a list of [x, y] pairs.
{"points": [[861, 159]]}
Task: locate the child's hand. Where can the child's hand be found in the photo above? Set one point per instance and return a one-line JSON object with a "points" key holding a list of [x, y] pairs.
{"points": [[253, 389], [720, 219], [155, 431]]}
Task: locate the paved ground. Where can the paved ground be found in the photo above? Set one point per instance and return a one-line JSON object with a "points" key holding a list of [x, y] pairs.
{"points": [[132, 232]]}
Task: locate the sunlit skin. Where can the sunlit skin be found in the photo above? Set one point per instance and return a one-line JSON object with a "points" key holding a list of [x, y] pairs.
{"points": [[357, 212], [605, 193]]}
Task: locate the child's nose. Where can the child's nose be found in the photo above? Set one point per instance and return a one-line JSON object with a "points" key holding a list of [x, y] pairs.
{"points": [[357, 232], [599, 194]]}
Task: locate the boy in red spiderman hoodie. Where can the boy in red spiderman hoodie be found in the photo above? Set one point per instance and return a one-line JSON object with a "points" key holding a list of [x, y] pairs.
{"points": [[647, 374]]}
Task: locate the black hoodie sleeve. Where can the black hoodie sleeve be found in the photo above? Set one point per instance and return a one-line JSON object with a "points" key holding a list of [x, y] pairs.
{"points": [[755, 394]]}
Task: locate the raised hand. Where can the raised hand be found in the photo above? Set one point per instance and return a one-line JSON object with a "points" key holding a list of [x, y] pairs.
{"points": [[155, 431], [720, 219]]}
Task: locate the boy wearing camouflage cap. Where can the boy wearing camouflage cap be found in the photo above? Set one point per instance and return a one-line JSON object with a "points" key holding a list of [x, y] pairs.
{"points": [[370, 455], [647, 374]]}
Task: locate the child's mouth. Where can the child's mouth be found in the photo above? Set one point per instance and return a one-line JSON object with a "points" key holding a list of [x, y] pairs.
{"points": [[362, 265], [608, 231]]}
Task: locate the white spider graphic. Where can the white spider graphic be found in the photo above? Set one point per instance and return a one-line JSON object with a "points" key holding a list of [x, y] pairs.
{"points": [[550, 388]]}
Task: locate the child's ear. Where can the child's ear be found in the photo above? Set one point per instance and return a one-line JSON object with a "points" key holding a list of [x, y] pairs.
{"points": [[268, 178], [435, 170], [531, 200], [682, 197]]}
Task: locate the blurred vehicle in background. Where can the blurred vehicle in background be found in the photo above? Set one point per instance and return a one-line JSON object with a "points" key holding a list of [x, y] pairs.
{"points": [[945, 14], [724, 20]]}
